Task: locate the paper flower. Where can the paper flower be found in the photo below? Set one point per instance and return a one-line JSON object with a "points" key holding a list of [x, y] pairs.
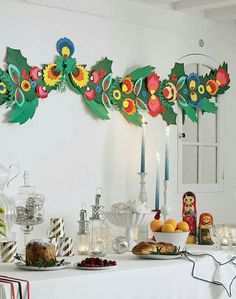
{"points": [[41, 92], [65, 47], [35, 73], [154, 106], [212, 87], [3, 88], [90, 93], [222, 77], [129, 106], [80, 76], [153, 83], [170, 92], [50, 75], [127, 85], [95, 77], [25, 85], [25, 75], [193, 82], [116, 94]]}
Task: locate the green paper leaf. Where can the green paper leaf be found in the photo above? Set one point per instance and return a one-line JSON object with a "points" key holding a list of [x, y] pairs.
{"points": [[22, 114], [15, 57], [135, 119], [177, 71], [208, 106], [70, 83], [190, 111], [14, 73], [140, 104], [70, 64], [19, 97], [105, 100], [181, 82], [104, 64], [141, 72], [169, 116], [138, 86], [106, 83], [97, 109]]}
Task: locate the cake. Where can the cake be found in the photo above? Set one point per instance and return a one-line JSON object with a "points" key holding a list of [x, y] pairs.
{"points": [[143, 248], [40, 251]]}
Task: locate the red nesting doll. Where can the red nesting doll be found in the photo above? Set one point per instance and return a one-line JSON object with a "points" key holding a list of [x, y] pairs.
{"points": [[189, 213]]}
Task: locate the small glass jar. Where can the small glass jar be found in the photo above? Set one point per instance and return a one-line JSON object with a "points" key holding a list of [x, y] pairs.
{"points": [[99, 230]]}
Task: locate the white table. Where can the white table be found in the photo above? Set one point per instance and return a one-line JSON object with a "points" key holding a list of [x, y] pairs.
{"points": [[133, 278]]}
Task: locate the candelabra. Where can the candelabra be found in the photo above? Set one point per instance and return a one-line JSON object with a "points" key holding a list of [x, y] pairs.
{"points": [[142, 195]]}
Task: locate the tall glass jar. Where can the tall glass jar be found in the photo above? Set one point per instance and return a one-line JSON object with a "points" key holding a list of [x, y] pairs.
{"points": [[99, 230]]}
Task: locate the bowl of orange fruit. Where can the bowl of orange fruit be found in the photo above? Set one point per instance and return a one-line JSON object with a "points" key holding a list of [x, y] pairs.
{"points": [[170, 231]]}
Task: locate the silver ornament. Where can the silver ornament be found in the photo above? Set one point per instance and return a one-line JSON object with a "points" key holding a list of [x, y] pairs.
{"points": [[120, 244]]}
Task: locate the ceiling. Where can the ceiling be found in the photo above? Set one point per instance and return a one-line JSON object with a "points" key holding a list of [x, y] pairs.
{"points": [[220, 10]]}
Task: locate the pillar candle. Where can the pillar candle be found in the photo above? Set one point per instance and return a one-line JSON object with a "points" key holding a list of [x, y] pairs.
{"points": [[157, 195], [143, 146], [167, 155]]}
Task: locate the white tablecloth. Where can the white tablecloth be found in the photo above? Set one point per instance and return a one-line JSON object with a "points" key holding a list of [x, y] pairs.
{"points": [[133, 278]]}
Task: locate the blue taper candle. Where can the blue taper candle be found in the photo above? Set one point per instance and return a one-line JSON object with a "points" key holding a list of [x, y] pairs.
{"points": [[143, 147], [167, 155], [157, 195]]}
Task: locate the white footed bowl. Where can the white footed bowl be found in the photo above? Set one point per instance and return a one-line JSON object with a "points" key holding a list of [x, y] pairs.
{"points": [[130, 220], [178, 239]]}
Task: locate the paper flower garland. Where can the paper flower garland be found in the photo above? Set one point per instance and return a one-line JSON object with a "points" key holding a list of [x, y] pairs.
{"points": [[21, 87]]}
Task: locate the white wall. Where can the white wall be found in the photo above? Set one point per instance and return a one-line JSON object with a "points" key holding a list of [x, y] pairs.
{"points": [[69, 152]]}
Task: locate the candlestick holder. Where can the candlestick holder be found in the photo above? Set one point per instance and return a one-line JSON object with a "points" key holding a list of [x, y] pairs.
{"points": [[142, 194], [165, 209]]}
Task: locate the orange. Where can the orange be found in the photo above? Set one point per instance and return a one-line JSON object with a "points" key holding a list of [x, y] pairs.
{"points": [[178, 231], [172, 221], [168, 228], [183, 226], [156, 225]]}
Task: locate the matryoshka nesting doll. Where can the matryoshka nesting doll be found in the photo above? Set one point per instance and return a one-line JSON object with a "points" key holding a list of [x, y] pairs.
{"points": [[190, 215], [205, 223]]}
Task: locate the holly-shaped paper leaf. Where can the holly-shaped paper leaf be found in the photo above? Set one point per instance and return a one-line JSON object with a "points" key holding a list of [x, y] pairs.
{"points": [[176, 72], [208, 106], [104, 65], [15, 57], [169, 116], [22, 114], [141, 72]]}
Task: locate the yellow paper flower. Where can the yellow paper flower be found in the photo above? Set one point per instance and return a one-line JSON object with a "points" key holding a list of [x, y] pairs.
{"points": [[80, 76], [50, 75], [25, 85], [3, 88], [116, 94]]}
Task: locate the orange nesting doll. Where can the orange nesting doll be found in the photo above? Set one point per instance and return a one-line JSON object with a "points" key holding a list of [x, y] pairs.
{"points": [[190, 215], [205, 223]]}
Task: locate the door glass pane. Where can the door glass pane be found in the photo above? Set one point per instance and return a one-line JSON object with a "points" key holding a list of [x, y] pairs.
{"points": [[207, 164], [207, 127], [190, 130], [190, 164]]}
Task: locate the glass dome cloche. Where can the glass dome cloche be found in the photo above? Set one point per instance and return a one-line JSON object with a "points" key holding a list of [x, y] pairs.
{"points": [[29, 206], [7, 204]]}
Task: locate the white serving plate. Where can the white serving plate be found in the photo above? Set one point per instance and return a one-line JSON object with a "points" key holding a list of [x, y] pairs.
{"points": [[95, 268], [159, 256], [23, 266]]}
